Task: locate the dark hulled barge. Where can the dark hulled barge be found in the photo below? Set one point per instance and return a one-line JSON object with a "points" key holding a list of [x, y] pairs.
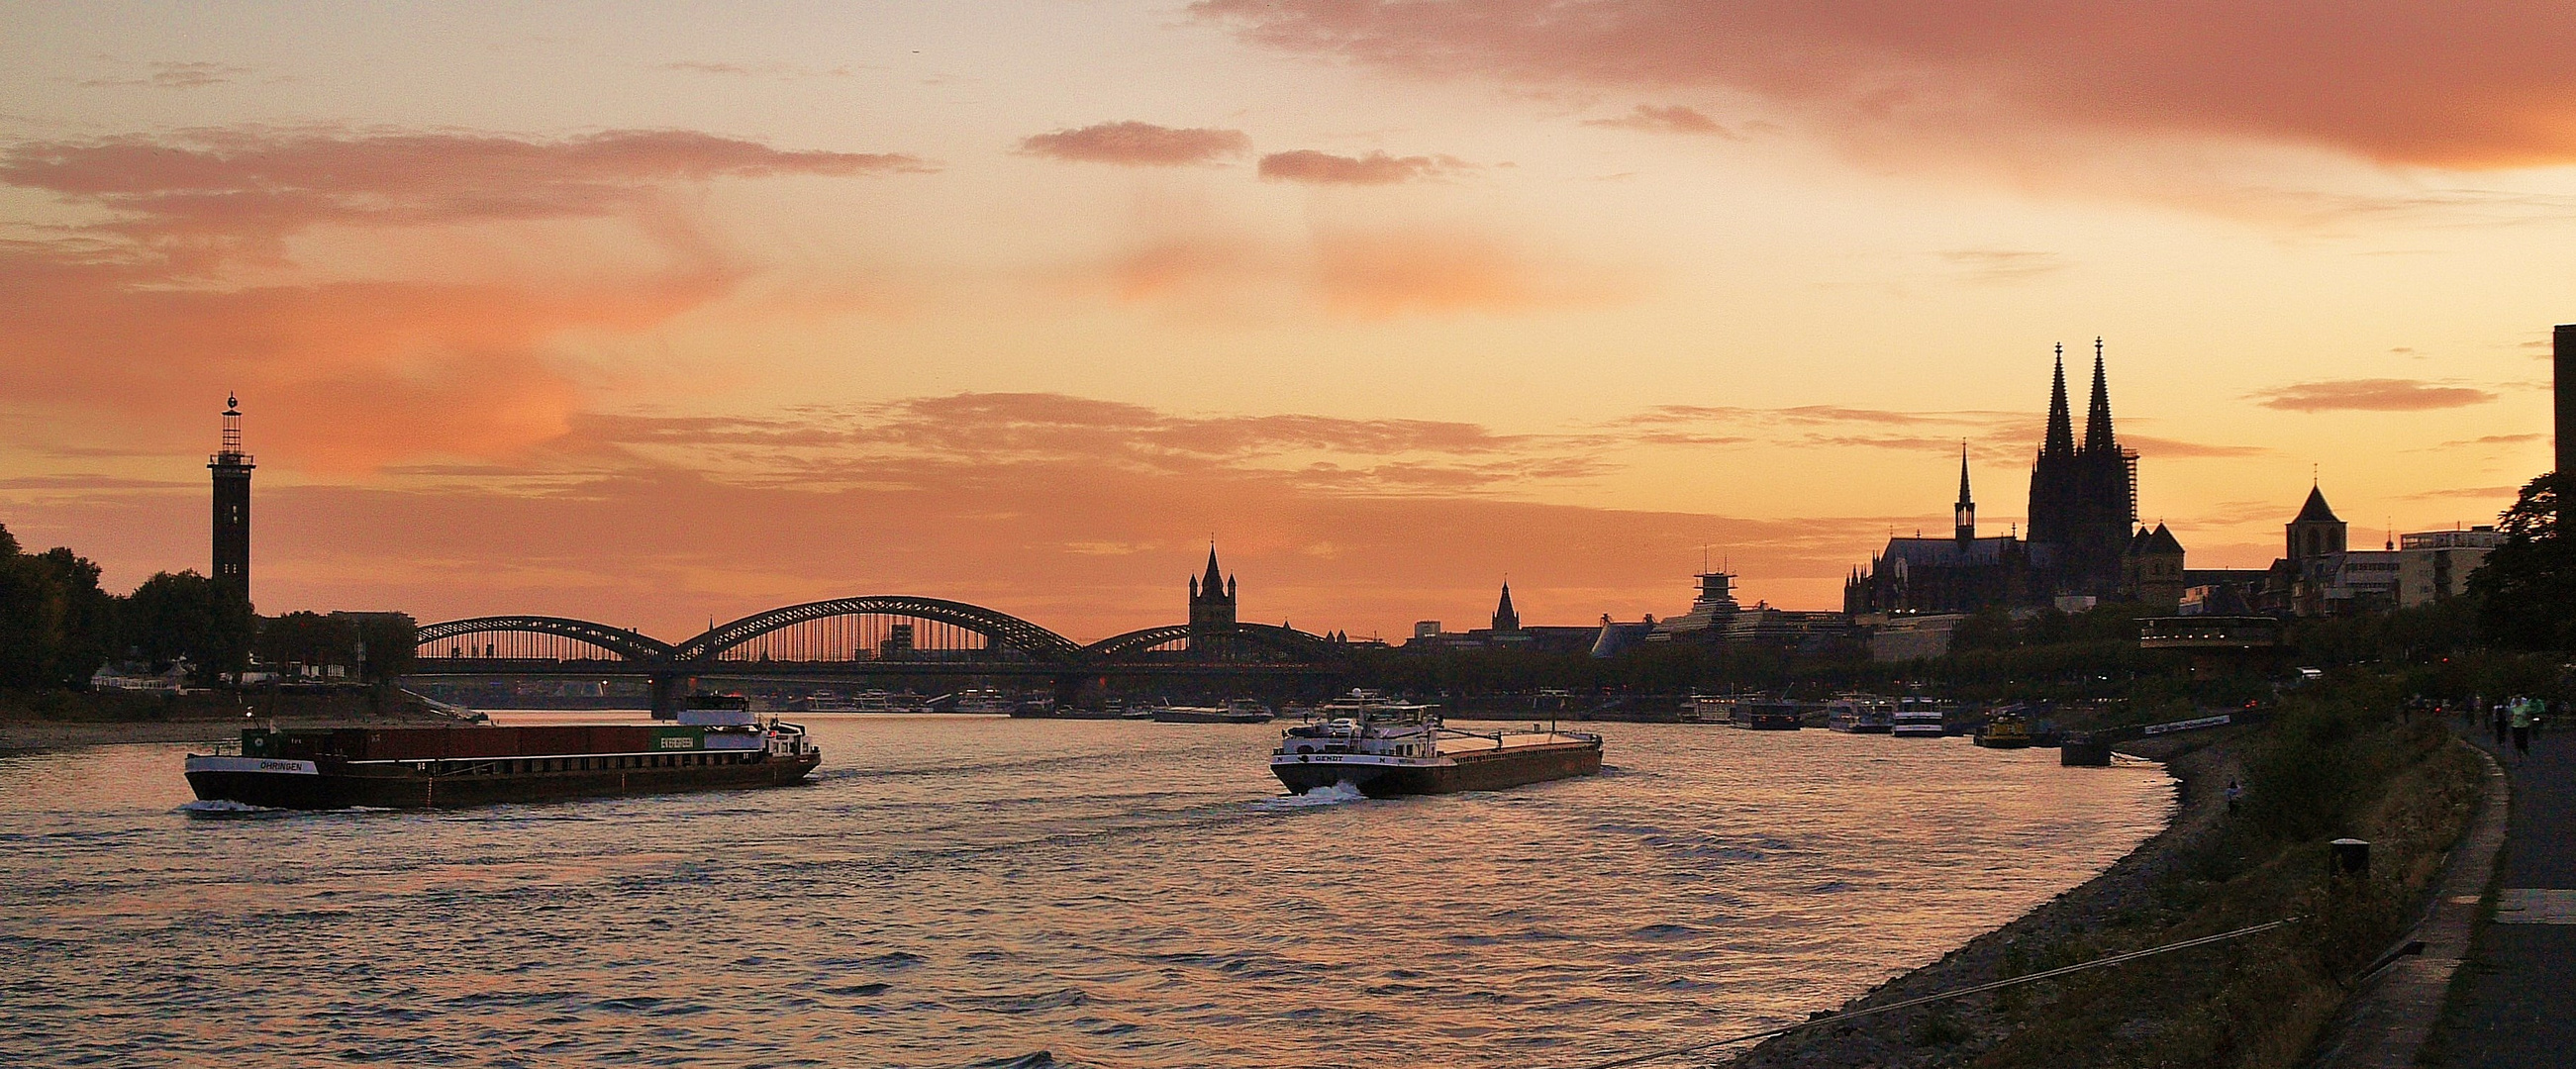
{"points": [[1386, 749], [447, 767]]}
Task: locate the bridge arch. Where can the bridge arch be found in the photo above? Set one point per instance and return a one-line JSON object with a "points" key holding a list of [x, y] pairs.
{"points": [[1005, 631], [439, 640], [1255, 638]]}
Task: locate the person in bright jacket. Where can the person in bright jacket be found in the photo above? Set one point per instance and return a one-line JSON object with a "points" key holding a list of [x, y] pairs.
{"points": [[2522, 726]]}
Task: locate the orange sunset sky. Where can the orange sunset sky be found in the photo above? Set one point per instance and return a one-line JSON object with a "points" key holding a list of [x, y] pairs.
{"points": [[657, 313]]}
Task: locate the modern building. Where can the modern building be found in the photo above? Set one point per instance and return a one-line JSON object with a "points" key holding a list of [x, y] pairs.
{"points": [[1913, 637], [1716, 617], [2435, 565], [232, 468]]}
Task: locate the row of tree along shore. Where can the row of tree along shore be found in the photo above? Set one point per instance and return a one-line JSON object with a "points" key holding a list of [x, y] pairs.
{"points": [[59, 628]]}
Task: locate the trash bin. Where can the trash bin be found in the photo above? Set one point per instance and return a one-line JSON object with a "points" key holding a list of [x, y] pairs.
{"points": [[2348, 857]]}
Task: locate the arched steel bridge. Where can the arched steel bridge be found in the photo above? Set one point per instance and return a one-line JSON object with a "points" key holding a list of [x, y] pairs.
{"points": [[881, 635]]}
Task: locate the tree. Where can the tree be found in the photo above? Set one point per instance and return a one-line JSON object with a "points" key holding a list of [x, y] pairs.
{"points": [[189, 616], [55, 622], [307, 638], [2527, 587]]}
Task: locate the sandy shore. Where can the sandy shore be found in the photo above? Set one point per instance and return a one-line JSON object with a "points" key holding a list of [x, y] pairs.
{"points": [[2201, 765]]}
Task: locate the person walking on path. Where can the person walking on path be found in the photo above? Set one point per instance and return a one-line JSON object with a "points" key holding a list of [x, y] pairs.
{"points": [[2522, 726], [2235, 793], [2499, 717]]}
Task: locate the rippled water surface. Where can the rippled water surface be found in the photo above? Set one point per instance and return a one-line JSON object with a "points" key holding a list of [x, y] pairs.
{"points": [[959, 891]]}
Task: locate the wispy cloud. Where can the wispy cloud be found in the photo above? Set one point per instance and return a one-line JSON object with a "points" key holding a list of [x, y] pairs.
{"points": [[2003, 265], [183, 273], [2369, 395], [1668, 119], [1139, 144], [2470, 85], [1375, 169], [190, 74], [786, 72]]}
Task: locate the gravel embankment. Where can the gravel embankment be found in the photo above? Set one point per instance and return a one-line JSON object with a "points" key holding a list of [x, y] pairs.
{"points": [[2201, 764]]}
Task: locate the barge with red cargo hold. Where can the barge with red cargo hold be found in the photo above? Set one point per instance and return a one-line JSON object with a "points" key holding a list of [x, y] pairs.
{"points": [[448, 767], [1385, 749]]}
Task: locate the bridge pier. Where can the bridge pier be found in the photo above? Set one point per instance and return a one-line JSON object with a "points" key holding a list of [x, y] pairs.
{"points": [[1077, 692], [670, 693]]}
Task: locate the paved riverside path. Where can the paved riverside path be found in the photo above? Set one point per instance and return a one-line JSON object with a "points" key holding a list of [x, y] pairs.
{"points": [[2514, 1003]]}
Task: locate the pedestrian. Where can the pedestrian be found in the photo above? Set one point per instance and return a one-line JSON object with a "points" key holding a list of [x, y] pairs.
{"points": [[2522, 714], [2235, 794], [2498, 716]]}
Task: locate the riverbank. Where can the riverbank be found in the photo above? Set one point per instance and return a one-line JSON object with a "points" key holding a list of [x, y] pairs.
{"points": [[55, 721], [2325, 770]]}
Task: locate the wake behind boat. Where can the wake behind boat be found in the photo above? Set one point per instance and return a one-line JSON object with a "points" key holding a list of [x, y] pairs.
{"points": [[1386, 749]]}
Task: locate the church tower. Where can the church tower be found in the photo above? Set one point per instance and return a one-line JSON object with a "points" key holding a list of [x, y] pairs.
{"points": [[2316, 534], [2083, 499], [1965, 512], [1505, 619], [231, 468], [1211, 603]]}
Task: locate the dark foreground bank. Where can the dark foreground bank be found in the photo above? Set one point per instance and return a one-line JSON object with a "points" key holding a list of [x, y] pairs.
{"points": [[2331, 769]]}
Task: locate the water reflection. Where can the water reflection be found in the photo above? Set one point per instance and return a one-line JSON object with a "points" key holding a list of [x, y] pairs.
{"points": [[956, 890]]}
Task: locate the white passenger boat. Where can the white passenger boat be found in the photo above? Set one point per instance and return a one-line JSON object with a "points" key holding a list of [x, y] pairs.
{"points": [[1861, 714], [1917, 718]]}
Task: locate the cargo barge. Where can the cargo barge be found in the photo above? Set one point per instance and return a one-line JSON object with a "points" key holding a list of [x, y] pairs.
{"points": [[1388, 749], [449, 767]]}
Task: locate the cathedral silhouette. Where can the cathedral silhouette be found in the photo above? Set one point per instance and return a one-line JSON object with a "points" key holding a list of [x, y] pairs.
{"points": [[2084, 540]]}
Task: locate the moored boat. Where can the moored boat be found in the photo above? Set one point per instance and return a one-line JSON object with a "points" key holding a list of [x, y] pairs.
{"points": [[1918, 718], [1758, 715], [2004, 731], [1386, 749], [1236, 711], [447, 767], [1861, 714]]}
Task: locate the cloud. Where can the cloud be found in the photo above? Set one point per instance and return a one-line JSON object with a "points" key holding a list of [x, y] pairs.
{"points": [[901, 441], [179, 286], [2174, 447], [1374, 274], [779, 71], [176, 75], [250, 187], [1375, 169], [1668, 119], [1356, 272], [2446, 85], [2369, 395], [1139, 144], [2003, 265]]}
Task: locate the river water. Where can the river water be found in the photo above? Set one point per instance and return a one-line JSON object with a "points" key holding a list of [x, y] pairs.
{"points": [[957, 891]]}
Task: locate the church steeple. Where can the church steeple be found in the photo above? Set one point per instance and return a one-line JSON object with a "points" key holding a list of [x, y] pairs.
{"points": [[1505, 619], [2061, 419], [2097, 420], [1212, 603], [1965, 512]]}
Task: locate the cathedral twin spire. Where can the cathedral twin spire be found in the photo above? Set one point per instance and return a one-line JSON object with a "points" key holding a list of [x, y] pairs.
{"points": [[2097, 418]]}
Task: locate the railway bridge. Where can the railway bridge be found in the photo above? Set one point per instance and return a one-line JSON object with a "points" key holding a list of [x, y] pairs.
{"points": [[877, 636]]}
